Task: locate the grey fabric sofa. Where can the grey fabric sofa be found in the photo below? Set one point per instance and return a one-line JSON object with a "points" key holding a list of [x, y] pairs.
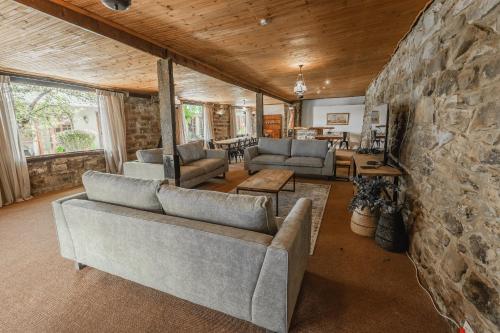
{"points": [[229, 257], [197, 164], [306, 157]]}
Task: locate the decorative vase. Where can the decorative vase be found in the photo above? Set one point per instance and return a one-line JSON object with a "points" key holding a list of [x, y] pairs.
{"points": [[364, 222], [391, 233]]}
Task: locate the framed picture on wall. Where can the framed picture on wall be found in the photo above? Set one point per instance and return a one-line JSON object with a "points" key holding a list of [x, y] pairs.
{"points": [[375, 117], [337, 118]]}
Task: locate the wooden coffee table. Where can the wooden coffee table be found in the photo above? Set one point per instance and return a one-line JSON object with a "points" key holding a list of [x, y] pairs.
{"points": [[268, 181]]}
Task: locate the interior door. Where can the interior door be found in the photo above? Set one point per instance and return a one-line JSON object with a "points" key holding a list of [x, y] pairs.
{"points": [[273, 126]]}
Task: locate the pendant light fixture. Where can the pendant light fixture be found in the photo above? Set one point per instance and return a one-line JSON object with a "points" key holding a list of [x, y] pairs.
{"points": [[244, 107], [300, 85], [117, 5]]}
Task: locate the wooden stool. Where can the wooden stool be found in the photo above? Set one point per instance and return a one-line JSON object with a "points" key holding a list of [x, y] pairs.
{"points": [[342, 162]]}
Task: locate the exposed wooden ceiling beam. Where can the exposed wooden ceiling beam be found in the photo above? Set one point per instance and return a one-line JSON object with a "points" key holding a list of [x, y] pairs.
{"points": [[96, 24]]}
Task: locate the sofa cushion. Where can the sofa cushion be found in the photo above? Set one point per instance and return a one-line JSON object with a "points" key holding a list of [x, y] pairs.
{"points": [[309, 148], [209, 164], [150, 155], [190, 171], [124, 191], [269, 159], [240, 211], [274, 146], [302, 161], [191, 151]]}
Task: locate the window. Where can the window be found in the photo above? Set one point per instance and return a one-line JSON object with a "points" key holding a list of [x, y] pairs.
{"points": [[55, 120], [193, 114], [241, 127]]}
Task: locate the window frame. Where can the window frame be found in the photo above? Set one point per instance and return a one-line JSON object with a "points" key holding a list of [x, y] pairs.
{"points": [[42, 82]]}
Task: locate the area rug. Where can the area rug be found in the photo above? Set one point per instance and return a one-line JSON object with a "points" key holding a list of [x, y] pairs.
{"points": [[318, 193]]}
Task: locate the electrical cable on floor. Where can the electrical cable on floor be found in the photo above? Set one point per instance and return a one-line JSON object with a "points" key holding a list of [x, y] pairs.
{"points": [[429, 294]]}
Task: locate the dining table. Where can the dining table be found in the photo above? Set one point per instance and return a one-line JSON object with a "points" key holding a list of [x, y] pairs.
{"points": [[227, 142]]}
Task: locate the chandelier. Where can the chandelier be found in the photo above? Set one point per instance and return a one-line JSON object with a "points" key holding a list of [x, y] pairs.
{"points": [[117, 5], [300, 85]]}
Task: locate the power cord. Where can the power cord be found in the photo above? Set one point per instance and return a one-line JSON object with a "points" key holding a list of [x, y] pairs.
{"points": [[429, 294]]}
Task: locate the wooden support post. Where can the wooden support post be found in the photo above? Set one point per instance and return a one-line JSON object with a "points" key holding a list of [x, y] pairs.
{"points": [[167, 118], [259, 114]]}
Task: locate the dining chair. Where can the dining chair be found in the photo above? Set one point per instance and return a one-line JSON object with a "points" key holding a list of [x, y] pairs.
{"points": [[345, 140]]}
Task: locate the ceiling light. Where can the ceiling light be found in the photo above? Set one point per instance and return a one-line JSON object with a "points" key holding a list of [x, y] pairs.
{"points": [[117, 5], [244, 108], [300, 85], [318, 91], [264, 21], [327, 81]]}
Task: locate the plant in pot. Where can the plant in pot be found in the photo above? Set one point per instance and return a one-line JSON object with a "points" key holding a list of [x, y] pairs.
{"points": [[391, 232], [366, 204]]}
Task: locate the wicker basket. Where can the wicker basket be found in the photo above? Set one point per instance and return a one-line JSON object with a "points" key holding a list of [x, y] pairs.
{"points": [[364, 222]]}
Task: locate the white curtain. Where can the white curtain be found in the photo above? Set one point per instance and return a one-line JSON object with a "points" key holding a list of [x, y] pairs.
{"points": [[180, 123], [249, 122], [14, 177], [112, 117], [232, 123], [208, 122], [291, 118]]}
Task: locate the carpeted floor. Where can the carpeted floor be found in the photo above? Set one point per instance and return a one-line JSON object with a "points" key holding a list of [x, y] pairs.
{"points": [[351, 285]]}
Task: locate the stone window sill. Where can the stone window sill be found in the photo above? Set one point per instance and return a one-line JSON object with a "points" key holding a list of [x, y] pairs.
{"points": [[64, 155]]}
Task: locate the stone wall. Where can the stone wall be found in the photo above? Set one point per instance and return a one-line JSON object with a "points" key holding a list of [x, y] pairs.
{"points": [[221, 122], [55, 172], [143, 124], [443, 90]]}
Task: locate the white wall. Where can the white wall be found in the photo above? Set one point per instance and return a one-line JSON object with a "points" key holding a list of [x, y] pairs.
{"points": [[356, 113], [314, 112], [274, 109]]}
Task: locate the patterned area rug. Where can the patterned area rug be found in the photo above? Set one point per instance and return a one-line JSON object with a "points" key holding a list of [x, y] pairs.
{"points": [[318, 193]]}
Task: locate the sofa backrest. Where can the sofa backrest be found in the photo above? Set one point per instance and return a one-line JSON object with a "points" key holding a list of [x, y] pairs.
{"points": [[240, 211], [192, 151], [274, 146], [310, 148], [124, 191], [154, 155]]}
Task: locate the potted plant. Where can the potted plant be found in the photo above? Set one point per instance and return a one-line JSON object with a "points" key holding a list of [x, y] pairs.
{"points": [[366, 204], [391, 232]]}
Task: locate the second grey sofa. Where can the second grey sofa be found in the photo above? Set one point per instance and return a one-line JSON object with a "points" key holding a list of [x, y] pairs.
{"points": [[197, 164], [306, 157], [219, 250]]}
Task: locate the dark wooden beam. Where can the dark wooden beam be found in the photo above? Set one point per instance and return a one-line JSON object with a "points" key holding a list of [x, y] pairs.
{"points": [[167, 119], [259, 114], [89, 21]]}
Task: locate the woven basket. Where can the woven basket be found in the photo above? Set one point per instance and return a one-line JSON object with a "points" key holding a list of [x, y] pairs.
{"points": [[364, 222]]}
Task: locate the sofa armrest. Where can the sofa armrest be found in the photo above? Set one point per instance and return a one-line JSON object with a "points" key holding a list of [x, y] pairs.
{"points": [[281, 276], [219, 153], [249, 154], [63, 235], [143, 170], [329, 163]]}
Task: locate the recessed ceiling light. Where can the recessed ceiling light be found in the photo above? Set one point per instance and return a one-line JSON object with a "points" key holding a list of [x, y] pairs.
{"points": [[317, 92], [264, 21], [327, 81], [323, 88]]}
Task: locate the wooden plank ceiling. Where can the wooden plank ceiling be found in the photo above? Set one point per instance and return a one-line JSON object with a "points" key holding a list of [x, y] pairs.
{"points": [[34, 43], [344, 42]]}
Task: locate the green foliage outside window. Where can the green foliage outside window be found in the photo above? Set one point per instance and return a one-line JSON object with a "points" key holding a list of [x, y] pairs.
{"points": [[75, 140]]}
